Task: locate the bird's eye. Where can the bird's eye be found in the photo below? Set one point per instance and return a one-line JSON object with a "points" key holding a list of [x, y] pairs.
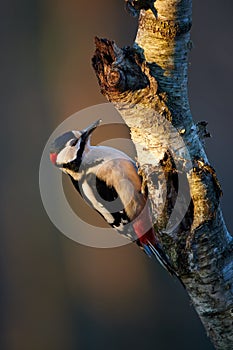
{"points": [[73, 142]]}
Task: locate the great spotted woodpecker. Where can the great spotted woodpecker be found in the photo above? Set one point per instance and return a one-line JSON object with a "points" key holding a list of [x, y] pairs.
{"points": [[108, 180]]}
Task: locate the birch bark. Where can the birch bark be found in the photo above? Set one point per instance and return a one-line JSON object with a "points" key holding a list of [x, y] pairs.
{"points": [[147, 83]]}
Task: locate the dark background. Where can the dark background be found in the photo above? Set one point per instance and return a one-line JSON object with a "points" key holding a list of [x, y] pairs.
{"points": [[56, 294]]}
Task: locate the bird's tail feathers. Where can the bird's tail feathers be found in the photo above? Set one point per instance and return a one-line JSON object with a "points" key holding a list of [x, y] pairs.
{"points": [[156, 251]]}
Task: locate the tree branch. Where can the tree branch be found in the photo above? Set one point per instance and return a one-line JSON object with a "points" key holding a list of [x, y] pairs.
{"points": [[148, 85]]}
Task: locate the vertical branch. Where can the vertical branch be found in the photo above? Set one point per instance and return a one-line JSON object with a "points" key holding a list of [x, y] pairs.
{"points": [[148, 85]]}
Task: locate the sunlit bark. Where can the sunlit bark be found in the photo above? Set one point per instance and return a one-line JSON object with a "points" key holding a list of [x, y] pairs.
{"points": [[147, 83]]}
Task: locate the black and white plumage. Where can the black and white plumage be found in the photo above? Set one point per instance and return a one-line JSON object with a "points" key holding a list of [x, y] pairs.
{"points": [[108, 180]]}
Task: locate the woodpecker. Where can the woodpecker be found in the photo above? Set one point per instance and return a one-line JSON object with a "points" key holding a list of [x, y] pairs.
{"points": [[108, 180]]}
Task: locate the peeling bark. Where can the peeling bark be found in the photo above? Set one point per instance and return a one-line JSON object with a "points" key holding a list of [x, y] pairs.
{"points": [[147, 83]]}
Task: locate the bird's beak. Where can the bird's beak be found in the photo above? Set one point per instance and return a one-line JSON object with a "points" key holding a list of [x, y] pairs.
{"points": [[87, 131]]}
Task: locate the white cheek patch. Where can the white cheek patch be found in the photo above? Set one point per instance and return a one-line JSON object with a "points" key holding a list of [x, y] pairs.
{"points": [[66, 155]]}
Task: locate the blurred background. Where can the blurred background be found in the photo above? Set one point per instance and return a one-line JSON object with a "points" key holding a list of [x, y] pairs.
{"points": [[56, 294]]}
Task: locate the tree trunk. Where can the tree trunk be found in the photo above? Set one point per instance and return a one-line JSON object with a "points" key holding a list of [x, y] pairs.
{"points": [[147, 83]]}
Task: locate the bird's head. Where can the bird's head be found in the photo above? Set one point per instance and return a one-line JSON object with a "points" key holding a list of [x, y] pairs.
{"points": [[66, 151]]}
